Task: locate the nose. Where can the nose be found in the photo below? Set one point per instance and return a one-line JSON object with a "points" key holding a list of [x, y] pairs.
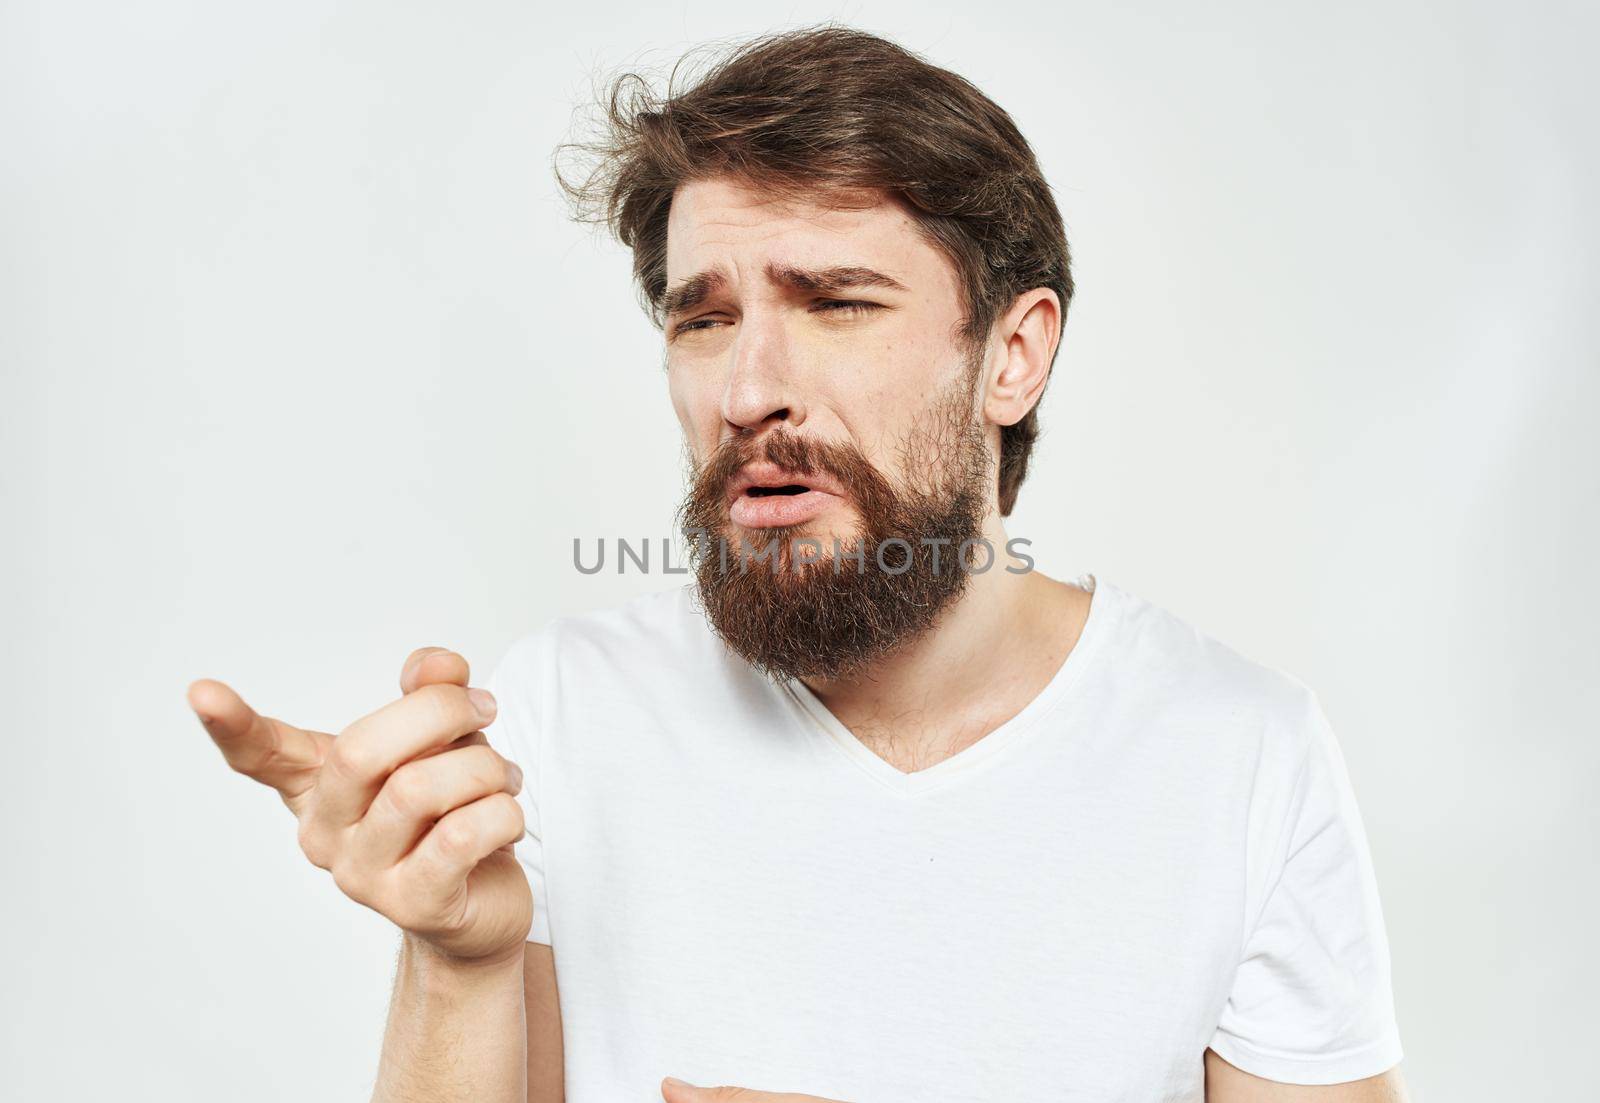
{"points": [[761, 389]]}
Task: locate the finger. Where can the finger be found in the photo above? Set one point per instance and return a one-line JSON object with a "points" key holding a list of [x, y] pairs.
{"points": [[471, 739], [267, 750], [440, 863], [368, 751], [425, 790], [437, 666], [674, 1090], [428, 666]]}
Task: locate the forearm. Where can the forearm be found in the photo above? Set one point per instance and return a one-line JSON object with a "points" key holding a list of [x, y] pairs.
{"points": [[456, 1031], [1227, 1084]]}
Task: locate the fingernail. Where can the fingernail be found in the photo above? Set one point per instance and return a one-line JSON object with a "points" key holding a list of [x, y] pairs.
{"points": [[483, 701], [514, 776], [675, 1082]]}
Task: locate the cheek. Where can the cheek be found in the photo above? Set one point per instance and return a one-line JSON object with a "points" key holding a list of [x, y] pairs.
{"points": [[699, 411], [884, 402]]}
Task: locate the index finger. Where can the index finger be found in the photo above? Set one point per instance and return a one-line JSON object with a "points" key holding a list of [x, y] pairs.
{"points": [[267, 750]]}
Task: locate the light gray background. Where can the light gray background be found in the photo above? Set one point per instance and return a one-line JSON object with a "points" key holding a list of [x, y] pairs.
{"points": [[304, 368]]}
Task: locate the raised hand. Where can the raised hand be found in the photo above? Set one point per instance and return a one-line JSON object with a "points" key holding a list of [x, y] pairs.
{"points": [[409, 808]]}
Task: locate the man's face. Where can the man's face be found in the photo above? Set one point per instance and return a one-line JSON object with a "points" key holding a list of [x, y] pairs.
{"points": [[815, 367], [836, 325]]}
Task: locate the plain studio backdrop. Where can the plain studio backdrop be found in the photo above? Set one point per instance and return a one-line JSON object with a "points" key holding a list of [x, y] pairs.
{"points": [[305, 367]]}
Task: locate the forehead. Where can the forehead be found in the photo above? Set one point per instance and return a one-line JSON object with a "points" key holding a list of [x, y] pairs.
{"points": [[726, 224]]}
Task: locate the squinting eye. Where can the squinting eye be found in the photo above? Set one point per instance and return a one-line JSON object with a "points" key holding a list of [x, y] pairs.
{"points": [[690, 327], [843, 306]]}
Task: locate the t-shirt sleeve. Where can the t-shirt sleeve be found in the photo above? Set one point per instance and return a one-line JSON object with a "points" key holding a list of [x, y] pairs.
{"points": [[518, 684], [1311, 1001]]}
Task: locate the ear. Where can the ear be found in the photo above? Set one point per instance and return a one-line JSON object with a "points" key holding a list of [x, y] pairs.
{"points": [[1026, 337]]}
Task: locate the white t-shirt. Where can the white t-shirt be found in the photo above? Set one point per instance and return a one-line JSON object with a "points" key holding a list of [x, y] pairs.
{"points": [[1160, 853]]}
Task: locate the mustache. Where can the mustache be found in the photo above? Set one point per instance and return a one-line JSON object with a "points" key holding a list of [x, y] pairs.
{"points": [[863, 482]]}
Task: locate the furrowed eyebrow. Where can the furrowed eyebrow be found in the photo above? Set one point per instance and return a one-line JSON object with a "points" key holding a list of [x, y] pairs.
{"points": [[828, 281], [824, 281], [691, 292]]}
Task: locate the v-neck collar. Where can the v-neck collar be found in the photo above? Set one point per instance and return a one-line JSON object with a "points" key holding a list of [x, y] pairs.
{"points": [[827, 727]]}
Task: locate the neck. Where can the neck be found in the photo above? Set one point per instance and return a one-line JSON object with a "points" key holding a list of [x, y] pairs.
{"points": [[984, 659]]}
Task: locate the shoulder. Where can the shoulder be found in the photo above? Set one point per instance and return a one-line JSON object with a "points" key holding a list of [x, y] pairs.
{"points": [[1234, 734], [1200, 685]]}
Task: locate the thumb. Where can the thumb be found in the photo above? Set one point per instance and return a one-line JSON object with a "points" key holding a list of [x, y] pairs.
{"points": [[432, 666], [437, 666], [269, 751]]}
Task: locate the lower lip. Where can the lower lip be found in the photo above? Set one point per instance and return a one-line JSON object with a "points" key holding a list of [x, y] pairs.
{"points": [[779, 510]]}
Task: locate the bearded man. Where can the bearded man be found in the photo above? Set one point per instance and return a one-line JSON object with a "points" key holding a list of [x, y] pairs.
{"points": [[879, 814]]}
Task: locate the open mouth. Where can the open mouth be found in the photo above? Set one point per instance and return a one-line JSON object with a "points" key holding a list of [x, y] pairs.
{"points": [[763, 495], [788, 491]]}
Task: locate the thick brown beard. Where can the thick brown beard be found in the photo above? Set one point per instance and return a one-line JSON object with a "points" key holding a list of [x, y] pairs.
{"points": [[830, 618]]}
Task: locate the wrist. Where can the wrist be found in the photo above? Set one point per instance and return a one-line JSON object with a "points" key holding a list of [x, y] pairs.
{"points": [[420, 957]]}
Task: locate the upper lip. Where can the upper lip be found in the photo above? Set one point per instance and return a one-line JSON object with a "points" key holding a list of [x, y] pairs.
{"points": [[770, 474]]}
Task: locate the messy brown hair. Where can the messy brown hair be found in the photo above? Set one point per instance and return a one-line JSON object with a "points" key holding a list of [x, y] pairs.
{"points": [[836, 110]]}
